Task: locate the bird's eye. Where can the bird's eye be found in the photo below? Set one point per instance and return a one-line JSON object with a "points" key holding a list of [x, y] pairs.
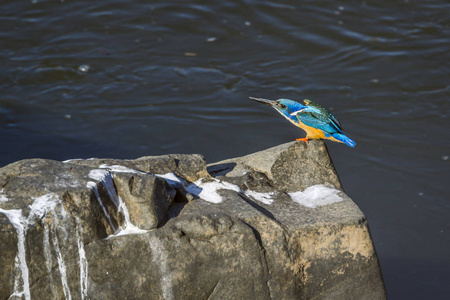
{"points": [[283, 106]]}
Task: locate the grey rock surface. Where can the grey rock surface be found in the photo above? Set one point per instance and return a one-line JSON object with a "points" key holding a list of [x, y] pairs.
{"points": [[275, 224]]}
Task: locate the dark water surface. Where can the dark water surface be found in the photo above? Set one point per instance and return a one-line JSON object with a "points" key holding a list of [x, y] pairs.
{"points": [[126, 79]]}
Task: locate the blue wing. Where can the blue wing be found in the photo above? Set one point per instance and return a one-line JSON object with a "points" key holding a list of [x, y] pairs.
{"points": [[319, 121], [318, 117], [319, 109]]}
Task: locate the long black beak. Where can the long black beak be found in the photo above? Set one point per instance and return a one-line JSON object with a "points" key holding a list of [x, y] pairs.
{"points": [[265, 101]]}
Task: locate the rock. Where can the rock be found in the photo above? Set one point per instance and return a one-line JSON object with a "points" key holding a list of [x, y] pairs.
{"points": [[275, 224], [195, 257], [147, 198], [190, 167], [290, 166], [8, 252]]}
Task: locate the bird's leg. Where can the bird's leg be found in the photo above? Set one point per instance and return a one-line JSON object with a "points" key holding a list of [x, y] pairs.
{"points": [[303, 139]]}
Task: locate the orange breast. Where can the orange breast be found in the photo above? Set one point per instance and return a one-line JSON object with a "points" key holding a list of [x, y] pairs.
{"points": [[311, 132], [314, 133]]}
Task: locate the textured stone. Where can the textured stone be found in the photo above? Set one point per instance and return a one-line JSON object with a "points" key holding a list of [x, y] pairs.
{"points": [[115, 229], [8, 253], [190, 167], [290, 166], [147, 198]]}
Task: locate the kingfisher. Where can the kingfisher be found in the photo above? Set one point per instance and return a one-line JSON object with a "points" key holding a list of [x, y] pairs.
{"points": [[318, 122]]}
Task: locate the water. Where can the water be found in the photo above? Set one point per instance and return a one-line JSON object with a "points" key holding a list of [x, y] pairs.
{"points": [[126, 79]]}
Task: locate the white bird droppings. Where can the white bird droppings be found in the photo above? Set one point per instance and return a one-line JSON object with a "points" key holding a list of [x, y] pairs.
{"points": [[98, 174], [120, 169], [316, 195], [208, 191], [19, 222], [172, 179], [265, 198]]}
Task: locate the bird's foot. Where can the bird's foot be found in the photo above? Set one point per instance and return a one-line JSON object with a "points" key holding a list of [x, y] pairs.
{"points": [[303, 139]]}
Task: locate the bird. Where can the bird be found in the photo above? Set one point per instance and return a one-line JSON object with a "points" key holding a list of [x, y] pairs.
{"points": [[318, 122]]}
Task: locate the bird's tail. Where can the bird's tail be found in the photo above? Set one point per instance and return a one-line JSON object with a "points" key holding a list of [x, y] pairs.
{"points": [[344, 139]]}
